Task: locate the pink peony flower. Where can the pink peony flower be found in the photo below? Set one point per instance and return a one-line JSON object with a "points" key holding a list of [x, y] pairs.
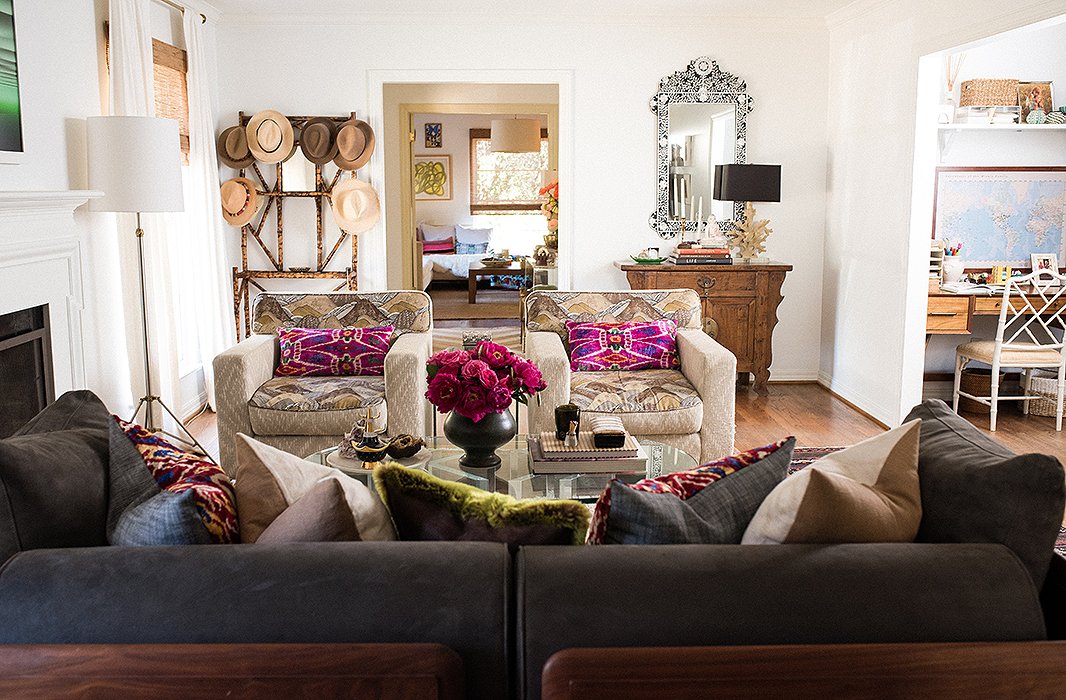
{"points": [[528, 376], [488, 378], [499, 398], [443, 391], [473, 369], [494, 355], [450, 359], [473, 403]]}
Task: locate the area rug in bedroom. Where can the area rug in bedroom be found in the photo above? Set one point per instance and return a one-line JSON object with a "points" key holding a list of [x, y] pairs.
{"points": [[451, 304]]}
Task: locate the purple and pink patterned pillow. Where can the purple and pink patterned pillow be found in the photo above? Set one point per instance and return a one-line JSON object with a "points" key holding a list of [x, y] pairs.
{"points": [[598, 347], [333, 352], [445, 246]]}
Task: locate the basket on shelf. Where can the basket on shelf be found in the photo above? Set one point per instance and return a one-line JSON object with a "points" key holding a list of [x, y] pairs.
{"points": [[1046, 384], [988, 92]]}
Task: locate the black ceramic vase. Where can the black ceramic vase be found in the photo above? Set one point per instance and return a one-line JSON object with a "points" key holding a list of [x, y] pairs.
{"points": [[479, 441]]}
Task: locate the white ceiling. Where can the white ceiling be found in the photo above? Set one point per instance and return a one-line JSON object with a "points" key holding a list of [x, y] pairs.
{"points": [[674, 8]]}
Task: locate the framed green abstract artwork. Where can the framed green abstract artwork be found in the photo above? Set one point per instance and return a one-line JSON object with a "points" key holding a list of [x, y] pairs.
{"points": [[433, 178], [11, 145]]}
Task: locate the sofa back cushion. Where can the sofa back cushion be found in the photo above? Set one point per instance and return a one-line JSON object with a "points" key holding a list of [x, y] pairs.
{"points": [[435, 232], [550, 310], [53, 478], [407, 311], [976, 490]]}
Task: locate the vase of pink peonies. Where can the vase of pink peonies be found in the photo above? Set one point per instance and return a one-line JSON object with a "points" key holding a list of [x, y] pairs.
{"points": [[475, 388]]}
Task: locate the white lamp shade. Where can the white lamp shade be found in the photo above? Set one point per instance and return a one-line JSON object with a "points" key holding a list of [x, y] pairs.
{"points": [[136, 163], [515, 136]]}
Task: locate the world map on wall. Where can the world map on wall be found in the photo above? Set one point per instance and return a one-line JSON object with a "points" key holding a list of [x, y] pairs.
{"points": [[1000, 217]]}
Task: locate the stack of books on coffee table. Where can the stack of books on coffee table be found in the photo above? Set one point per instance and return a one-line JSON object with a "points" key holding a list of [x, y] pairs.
{"points": [[548, 455]]}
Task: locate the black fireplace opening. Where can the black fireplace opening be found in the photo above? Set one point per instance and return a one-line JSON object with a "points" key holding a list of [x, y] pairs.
{"points": [[26, 382]]}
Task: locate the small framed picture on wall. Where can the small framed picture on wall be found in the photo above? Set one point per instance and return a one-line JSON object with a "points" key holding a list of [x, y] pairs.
{"points": [[434, 135], [1035, 95], [1045, 262]]}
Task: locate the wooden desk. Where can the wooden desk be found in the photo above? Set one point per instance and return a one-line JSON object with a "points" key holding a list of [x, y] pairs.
{"points": [[479, 270], [739, 305], [952, 314]]}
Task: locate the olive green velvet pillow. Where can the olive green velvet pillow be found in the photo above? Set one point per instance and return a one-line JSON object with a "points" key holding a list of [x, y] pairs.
{"points": [[425, 508]]}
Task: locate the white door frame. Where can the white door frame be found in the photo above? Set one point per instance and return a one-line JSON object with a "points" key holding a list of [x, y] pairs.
{"points": [[373, 277]]}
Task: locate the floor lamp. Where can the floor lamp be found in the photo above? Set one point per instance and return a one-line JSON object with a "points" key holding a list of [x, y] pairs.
{"points": [[136, 163]]}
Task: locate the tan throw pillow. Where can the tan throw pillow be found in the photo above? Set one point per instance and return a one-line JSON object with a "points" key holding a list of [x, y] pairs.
{"points": [[866, 493], [269, 480], [320, 515]]}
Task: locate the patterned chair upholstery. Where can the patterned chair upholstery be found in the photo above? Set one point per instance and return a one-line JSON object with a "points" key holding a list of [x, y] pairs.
{"points": [[691, 408], [304, 414]]}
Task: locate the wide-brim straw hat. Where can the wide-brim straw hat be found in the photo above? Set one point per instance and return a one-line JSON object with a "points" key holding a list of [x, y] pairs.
{"points": [[240, 201], [318, 140], [270, 137], [355, 144], [233, 148], [356, 207]]}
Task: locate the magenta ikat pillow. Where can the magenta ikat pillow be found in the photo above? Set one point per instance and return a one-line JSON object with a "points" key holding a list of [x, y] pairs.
{"points": [[333, 352], [598, 347]]}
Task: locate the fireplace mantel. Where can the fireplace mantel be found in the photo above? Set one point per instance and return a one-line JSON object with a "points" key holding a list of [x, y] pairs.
{"points": [[44, 203]]}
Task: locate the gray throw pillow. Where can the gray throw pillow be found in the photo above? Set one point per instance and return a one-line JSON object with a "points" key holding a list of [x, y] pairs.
{"points": [[167, 518], [717, 514], [976, 490], [320, 515], [139, 513]]}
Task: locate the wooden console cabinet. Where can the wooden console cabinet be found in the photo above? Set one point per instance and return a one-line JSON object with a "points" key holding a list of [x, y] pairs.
{"points": [[739, 305]]}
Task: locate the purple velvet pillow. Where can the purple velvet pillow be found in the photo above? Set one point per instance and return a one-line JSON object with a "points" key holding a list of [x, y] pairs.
{"points": [[333, 352], [598, 347], [445, 246]]}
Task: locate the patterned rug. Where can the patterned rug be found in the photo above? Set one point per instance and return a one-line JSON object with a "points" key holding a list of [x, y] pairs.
{"points": [[511, 336], [802, 456]]}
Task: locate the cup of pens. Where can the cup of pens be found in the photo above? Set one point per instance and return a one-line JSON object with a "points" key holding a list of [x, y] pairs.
{"points": [[954, 266]]}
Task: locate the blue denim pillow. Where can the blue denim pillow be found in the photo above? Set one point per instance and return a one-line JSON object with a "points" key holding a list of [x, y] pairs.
{"points": [[471, 248]]}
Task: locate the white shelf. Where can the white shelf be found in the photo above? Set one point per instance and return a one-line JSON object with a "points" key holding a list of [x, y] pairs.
{"points": [[1001, 127]]}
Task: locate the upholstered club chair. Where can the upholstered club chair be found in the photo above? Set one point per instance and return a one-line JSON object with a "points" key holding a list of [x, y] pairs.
{"points": [[691, 408], [302, 415]]}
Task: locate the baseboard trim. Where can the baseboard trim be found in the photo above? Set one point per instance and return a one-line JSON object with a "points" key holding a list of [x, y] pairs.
{"points": [[793, 377], [826, 382]]}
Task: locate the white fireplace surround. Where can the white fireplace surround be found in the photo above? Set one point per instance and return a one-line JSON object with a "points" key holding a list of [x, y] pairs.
{"points": [[41, 263]]}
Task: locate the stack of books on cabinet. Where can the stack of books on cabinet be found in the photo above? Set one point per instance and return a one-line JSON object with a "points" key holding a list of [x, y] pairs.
{"points": [[699, 254], [549, 455], [936, 264]]}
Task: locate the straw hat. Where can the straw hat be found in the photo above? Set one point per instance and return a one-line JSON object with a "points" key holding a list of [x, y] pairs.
{"points": [[240, 201], [270, 137], [317, 140], [355, 144], [356, 207], [233, 148]]}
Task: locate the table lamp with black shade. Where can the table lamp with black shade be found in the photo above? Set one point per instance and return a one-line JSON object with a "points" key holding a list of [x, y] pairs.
{"points": [[136, 163], [749, 183]]}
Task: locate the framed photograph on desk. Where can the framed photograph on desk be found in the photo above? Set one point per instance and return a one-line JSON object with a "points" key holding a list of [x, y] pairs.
{"points": [[1044, 261], [1001, 214]]}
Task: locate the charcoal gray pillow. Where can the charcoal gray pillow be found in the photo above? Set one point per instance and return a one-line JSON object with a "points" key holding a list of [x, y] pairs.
{"points": [[718, 514], [139, 513], [167, 518], [53, 478], [976, 490]]}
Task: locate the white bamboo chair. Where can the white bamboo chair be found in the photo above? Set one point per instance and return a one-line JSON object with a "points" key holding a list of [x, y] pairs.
{"points": [[1029, 336]]}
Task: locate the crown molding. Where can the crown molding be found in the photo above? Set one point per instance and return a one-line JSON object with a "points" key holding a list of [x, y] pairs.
{"points": [[44, 202], [856, 11]]}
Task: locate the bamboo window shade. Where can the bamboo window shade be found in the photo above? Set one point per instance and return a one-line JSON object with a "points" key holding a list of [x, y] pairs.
{"points": [[170, 67]]}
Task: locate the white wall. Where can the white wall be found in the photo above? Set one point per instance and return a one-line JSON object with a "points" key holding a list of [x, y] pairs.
{"points": [[873, 316], [617, 61]]}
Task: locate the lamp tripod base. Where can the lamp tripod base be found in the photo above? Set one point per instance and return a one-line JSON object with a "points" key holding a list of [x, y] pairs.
{"points": [[149, 425]]}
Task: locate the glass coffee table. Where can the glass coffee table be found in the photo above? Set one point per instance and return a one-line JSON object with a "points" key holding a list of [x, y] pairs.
{"points": [[514, 476]]}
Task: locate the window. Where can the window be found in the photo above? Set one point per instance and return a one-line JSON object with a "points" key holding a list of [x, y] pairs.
{"points": [[170, 65], [505, 182]]}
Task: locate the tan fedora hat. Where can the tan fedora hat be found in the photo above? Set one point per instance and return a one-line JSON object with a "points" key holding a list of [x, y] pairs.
{"points": [[355, 144], [233, 148], [240, 201], [356, 207], [270, 137], [317, 140]]}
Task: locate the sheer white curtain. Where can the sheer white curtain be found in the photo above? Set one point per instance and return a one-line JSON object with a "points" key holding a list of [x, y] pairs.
{"points": [[132, 94], [208, 286]]}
